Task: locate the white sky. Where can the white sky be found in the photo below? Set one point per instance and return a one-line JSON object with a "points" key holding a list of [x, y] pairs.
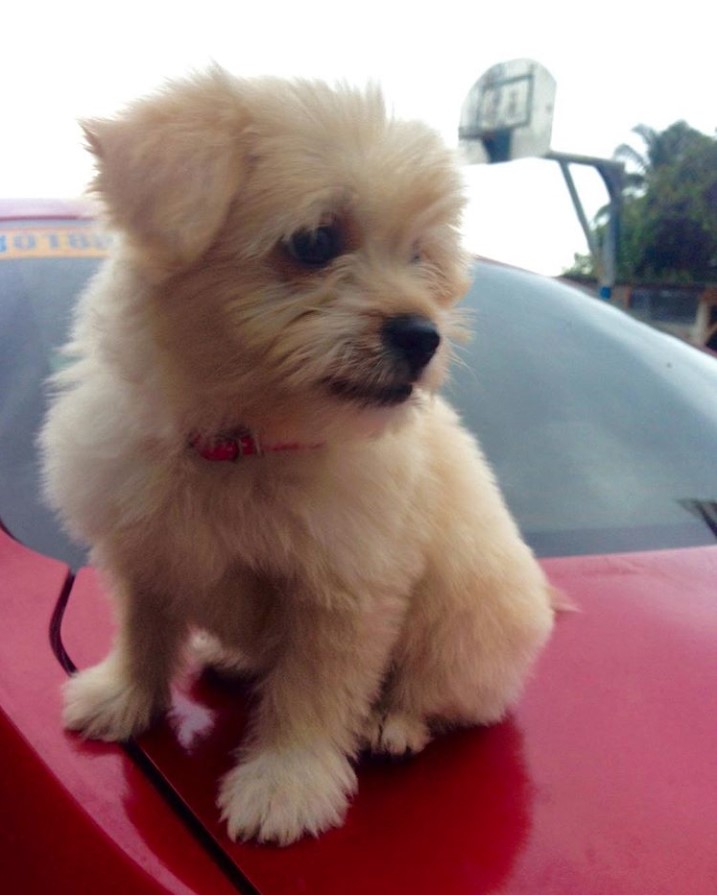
{"points": [[616, 64]]}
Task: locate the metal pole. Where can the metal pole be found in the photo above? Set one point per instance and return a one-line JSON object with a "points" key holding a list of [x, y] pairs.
{"points": [[612, 174], [580, 211]]}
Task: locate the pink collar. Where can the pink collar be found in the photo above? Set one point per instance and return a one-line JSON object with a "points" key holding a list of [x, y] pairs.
{"points": [[231, 446]]}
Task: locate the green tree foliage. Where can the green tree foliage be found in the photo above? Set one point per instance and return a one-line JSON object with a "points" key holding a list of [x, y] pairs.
{"points": [[668, 223]]}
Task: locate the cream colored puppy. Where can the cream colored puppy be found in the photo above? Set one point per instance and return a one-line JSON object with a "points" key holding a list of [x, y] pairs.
{"points": [[250, 440]]}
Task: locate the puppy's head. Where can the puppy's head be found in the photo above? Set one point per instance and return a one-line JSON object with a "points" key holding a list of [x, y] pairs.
{"points": [[302, 247]]}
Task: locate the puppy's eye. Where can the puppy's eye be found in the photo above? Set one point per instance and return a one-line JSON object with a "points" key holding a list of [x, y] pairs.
{"points": [[315, 248]]}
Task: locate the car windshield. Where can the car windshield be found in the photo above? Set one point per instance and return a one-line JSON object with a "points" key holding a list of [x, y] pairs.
{"points": [[602, 432]]}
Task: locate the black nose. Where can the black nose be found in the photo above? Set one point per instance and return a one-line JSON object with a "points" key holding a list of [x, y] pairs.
{"points": [[412, 339]]}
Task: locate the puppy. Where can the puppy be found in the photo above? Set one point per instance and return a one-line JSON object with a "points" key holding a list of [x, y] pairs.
{"points": [[251, 442]]}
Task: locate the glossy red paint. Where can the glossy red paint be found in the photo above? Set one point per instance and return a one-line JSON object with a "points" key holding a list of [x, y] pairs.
{"points": [[603, 780], [47, 209], [77, 817]]}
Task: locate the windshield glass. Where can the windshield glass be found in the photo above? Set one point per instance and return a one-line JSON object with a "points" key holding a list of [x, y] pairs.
{"points": [[602, 432], [43, 267]]}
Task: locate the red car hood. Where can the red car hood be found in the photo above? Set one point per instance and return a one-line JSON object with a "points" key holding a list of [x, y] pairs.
{"points": [[604, 780]]}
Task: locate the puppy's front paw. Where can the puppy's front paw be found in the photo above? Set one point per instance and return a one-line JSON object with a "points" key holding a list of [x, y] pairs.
{"points": [[279, 796], [396, 733], [101, 705]]}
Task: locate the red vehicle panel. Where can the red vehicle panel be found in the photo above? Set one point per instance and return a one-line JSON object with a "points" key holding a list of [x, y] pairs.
{"points": [[77, 817], [601, 781]]}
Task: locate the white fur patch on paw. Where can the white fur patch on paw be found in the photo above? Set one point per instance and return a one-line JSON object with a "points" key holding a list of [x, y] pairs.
{"points": [[396, 733], [99, 704], [208, 652], [280, 796]]}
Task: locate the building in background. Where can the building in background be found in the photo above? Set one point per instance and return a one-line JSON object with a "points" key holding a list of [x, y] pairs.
{"points": [[688, 311]]}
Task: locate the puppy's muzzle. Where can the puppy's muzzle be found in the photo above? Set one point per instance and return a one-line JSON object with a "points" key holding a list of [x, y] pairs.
{"points": [[412, 340]]}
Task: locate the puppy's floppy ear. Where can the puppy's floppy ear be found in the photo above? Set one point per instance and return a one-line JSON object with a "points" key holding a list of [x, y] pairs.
{"points": [[167, 168]]}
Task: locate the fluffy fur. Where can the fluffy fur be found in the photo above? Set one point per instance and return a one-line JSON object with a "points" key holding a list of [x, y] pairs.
{"points": [[375, 586]]}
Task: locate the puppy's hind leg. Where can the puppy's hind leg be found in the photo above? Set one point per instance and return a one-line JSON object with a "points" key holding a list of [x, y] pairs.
{"points": [[209, 653], [118, 698], [471, 635], [235, 625]]}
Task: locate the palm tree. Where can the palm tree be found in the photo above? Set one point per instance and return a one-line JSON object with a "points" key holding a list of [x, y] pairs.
{"points": [[668, 219], [660, 148]]}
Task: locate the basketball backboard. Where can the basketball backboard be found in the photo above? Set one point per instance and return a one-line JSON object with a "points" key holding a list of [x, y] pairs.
{"points": [[508, 113]]}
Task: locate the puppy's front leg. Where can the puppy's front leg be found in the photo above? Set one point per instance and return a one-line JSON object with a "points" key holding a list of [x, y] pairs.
{"points": [[117, 699], [295, 775]]}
